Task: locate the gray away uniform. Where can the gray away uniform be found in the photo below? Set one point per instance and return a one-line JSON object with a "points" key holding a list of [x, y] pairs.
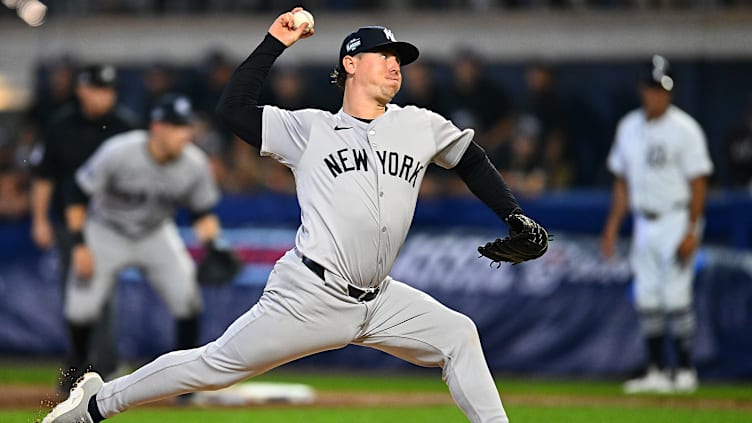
{"points": [[357, 184], [129, 223]]}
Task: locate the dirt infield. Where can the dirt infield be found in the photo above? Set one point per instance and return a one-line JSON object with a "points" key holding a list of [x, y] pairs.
{"points": [[20, 396]]}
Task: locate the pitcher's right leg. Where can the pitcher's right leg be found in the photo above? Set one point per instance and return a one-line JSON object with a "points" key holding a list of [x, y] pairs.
{"points": [[411, 325], [295, 317]]}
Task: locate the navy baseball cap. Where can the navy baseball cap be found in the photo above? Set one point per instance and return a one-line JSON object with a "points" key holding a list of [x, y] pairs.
{"points": [[174, 109], [98, 76], [374, 38], [657, 73]]}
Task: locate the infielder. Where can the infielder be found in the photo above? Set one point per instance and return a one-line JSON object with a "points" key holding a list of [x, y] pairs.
{"points": [[661, 163], [357, 172], [133, 185]]}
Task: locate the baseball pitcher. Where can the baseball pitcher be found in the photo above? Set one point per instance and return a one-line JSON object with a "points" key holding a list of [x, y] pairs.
{"points": [[357, 176]]}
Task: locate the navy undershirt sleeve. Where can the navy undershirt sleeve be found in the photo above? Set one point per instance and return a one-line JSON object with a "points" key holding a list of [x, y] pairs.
{"points": [[238, 107], [76, 196], [480, 175]]}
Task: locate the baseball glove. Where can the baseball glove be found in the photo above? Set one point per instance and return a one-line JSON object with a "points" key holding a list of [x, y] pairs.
{"points": [[219, 266], [527, 240]]}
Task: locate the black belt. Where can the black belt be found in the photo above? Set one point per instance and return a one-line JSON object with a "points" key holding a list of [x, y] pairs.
{"points": [[353, 291], [649, 215], [361, 294], [315, 267], [652, 215]]}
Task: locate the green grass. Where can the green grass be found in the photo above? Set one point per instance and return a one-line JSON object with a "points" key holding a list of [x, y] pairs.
{"points": [[433, 414], [448, 414], [419, 381], [677, 409], [28, 373], [523, 414], [708, 390]]}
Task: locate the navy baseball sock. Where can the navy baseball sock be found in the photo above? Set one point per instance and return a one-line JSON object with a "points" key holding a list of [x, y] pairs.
{"points": [[655, 351], [683, 348], [187, 333], [93, 409], [684, 328], [79, 337], [78, 363]]}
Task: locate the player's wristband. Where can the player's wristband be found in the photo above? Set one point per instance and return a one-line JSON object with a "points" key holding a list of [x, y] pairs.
{"points": [[77, 238]]}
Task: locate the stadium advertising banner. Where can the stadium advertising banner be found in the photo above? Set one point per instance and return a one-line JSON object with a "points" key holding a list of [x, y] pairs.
{"points": [[569, 313]]}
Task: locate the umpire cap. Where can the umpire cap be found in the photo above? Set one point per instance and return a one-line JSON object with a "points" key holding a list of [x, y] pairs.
{"points": [[174, 109], [104, 76], [657, 73], [373, 38]]}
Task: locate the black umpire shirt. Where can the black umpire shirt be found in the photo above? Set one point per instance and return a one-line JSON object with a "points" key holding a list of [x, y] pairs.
{"points": [[69, 140]]}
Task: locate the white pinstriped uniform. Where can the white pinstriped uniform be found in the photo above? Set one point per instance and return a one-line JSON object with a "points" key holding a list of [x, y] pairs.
{"points": [[658, 158]]}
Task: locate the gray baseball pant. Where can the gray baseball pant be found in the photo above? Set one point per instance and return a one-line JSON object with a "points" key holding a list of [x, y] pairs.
{"points": [[299, 315]]}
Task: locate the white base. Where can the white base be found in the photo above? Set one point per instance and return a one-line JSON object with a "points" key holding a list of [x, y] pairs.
{"points": [[256, 393]]}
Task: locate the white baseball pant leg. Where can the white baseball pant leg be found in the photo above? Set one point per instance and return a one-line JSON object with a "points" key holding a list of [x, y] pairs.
{"points": [[661, 281]]}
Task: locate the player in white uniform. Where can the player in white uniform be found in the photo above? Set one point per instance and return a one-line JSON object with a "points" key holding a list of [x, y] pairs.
{"points": [[661, 163], [358, 173]]}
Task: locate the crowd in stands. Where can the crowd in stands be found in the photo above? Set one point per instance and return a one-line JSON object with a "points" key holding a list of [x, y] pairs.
{"points": [[89, 7], [531, 133]]}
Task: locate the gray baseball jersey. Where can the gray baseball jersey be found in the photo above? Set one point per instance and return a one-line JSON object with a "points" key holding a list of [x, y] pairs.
{"points": [[133, 199], [133, 194], [354, 177], [357, 185]]}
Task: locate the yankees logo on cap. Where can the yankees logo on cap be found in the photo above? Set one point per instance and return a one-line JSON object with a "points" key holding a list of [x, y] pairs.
{"points": [[173, 108], [98, 75], [373, 38], [389, 34]]}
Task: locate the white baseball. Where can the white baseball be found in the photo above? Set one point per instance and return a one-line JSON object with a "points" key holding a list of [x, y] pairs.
{"points": [[303, 16]]}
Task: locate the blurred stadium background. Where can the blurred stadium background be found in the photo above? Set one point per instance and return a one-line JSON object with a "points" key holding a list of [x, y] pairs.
{"points": [[553, 77]]}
